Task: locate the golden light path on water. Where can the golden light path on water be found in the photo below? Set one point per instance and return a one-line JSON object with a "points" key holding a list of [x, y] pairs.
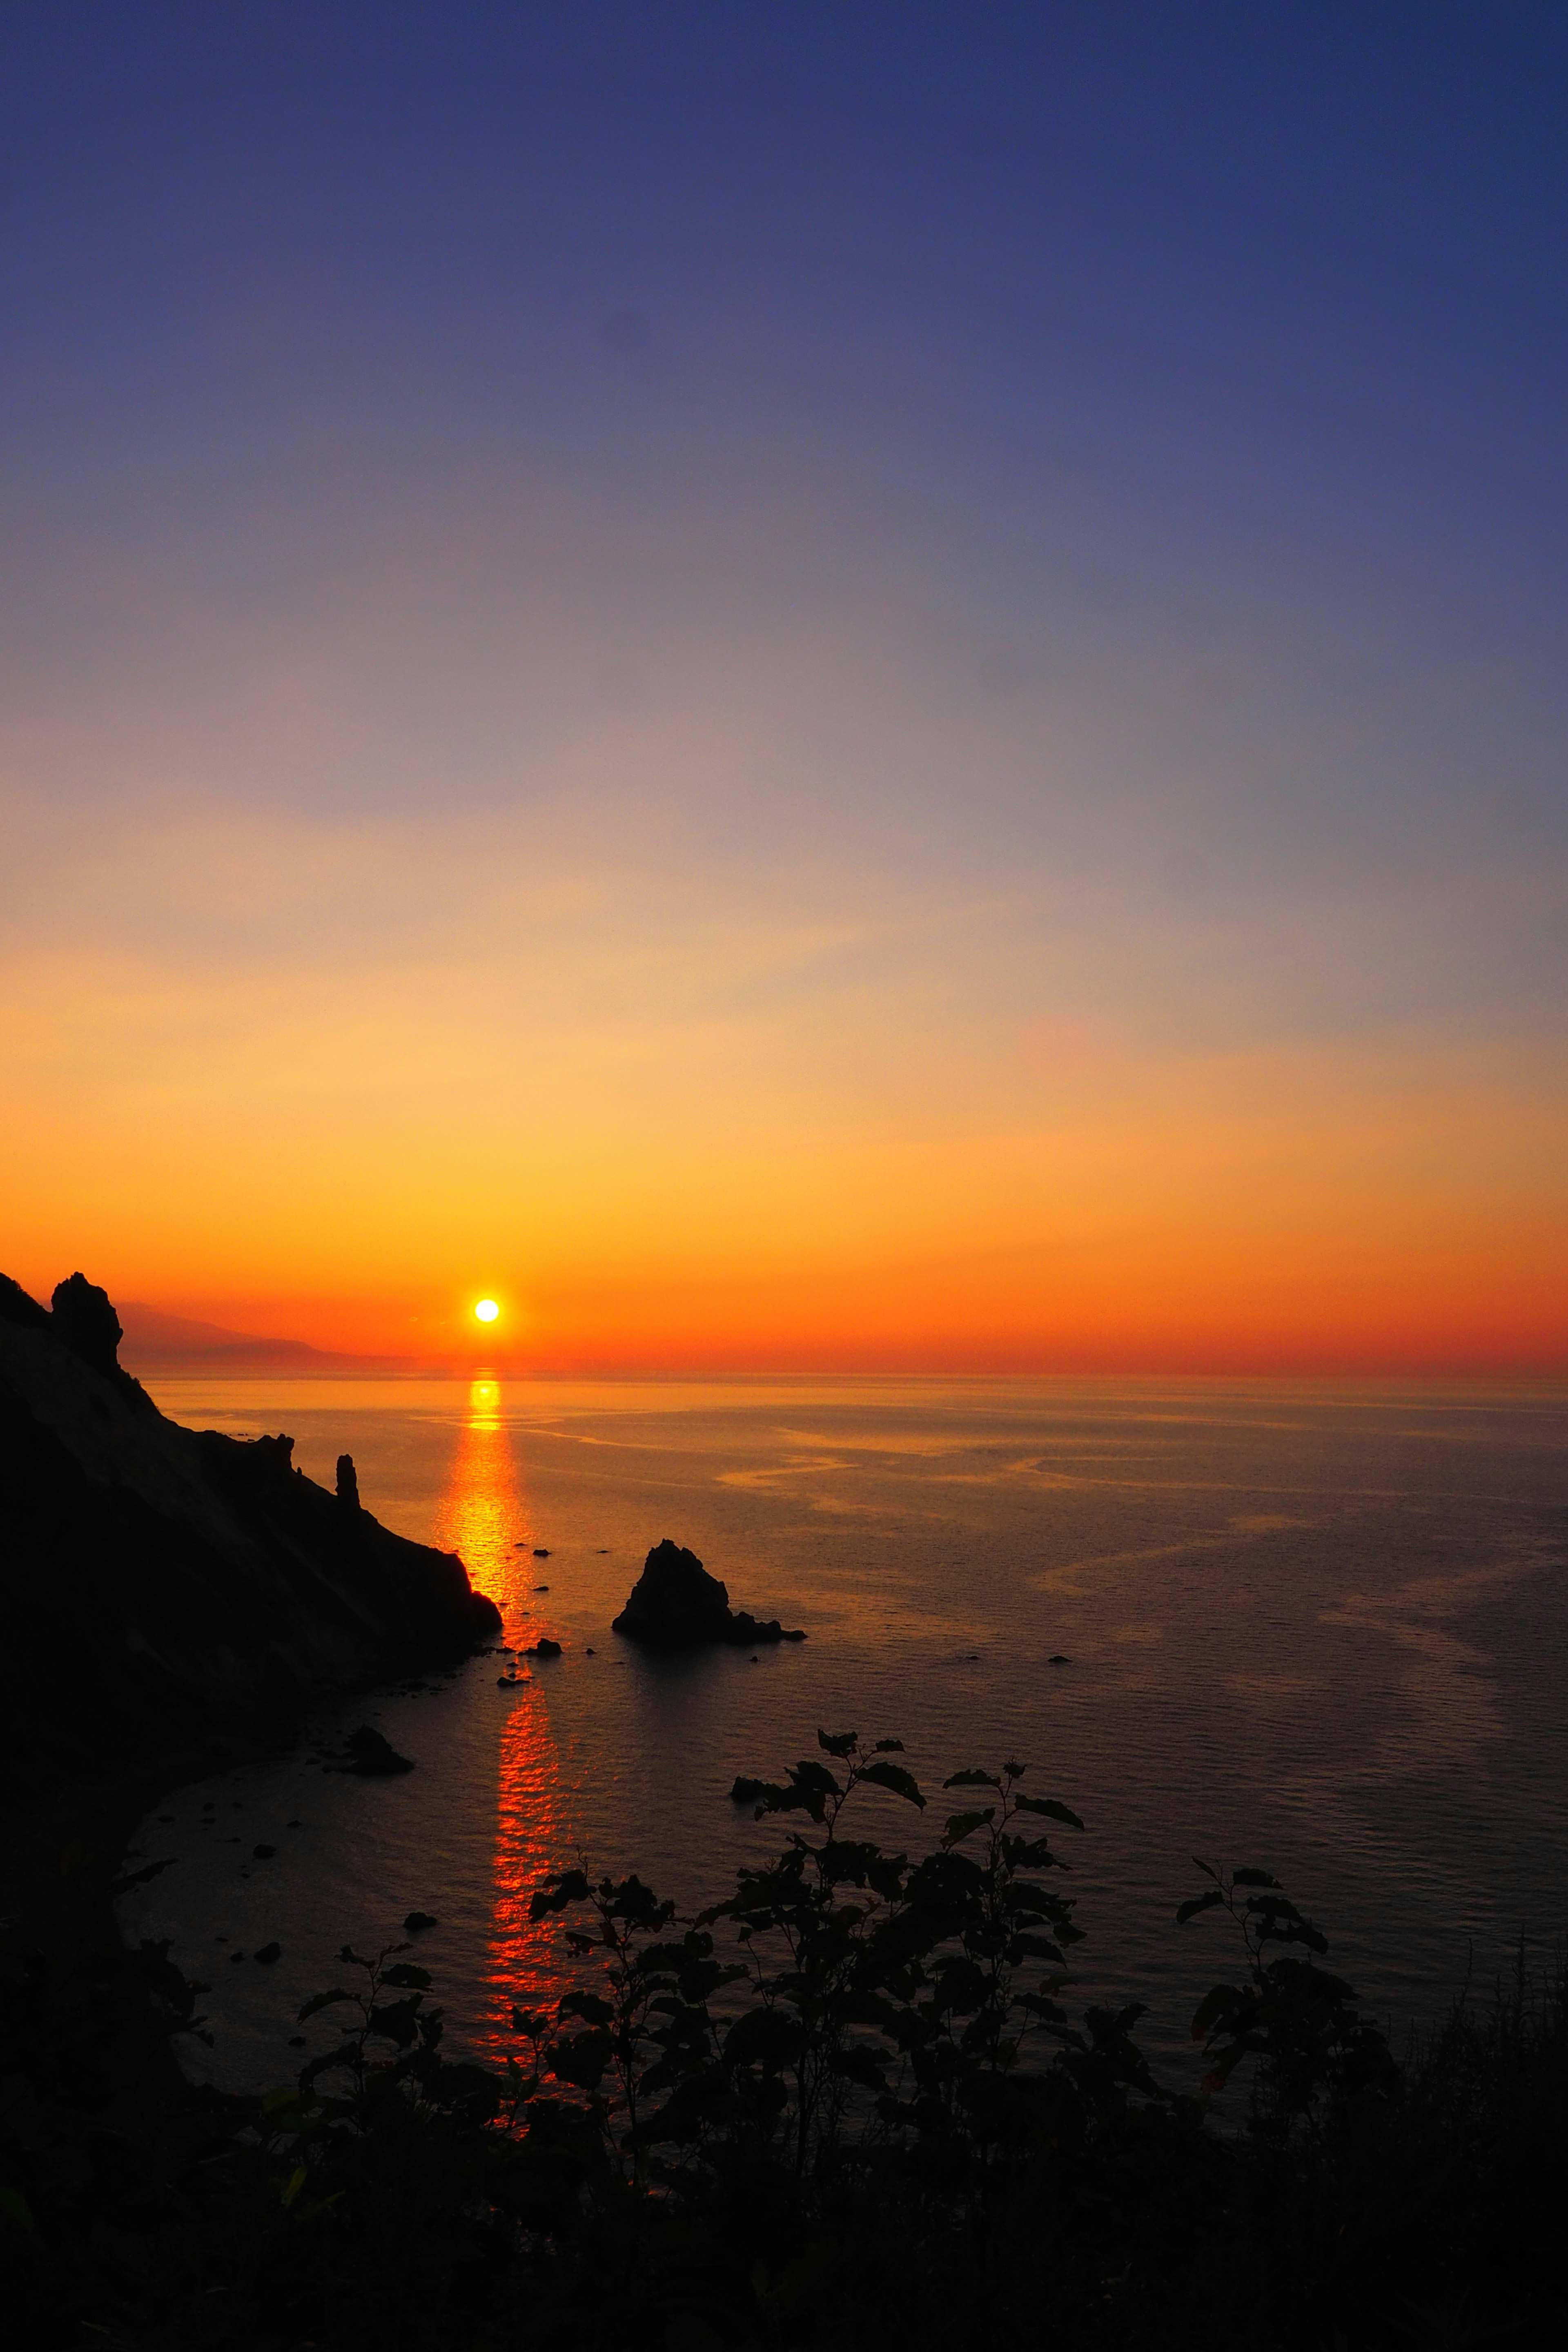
{"points": [[484, 1518]]}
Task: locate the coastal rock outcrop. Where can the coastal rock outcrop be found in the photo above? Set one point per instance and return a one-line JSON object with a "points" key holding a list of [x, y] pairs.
{"points": [[157, 1580], [84, 1318], [676, 1602]]}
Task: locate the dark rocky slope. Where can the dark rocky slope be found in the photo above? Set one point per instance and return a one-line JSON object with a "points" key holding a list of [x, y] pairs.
{"points": [[156, 1580]]}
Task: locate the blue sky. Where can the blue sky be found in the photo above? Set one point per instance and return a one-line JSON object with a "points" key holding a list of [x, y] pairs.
{"points": [[886, 530]]}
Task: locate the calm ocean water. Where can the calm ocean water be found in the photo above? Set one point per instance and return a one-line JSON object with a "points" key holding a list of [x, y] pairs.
{"points": [[1321, 1628]]}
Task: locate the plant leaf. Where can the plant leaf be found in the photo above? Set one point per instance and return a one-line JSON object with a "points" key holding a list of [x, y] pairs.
{"points": [[321, 2001], [15, 2207], [1051, 1807], [883, 1775]]}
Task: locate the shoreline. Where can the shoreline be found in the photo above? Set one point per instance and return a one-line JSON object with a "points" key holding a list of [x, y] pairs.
{"points": [[65, 1861]]}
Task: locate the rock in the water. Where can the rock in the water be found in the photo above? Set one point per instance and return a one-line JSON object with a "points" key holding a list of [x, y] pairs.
{"points": [[675, 1600], [373, 1755], [417, 1920], [268, 1953], [543, 1648]]}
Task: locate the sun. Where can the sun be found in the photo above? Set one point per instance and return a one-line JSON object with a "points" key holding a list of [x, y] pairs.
{"points": [[487, 1310]]}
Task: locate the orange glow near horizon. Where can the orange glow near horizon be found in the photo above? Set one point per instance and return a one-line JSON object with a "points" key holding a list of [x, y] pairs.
{"points": [[1314, 1210], [483, 1517], [898, 1183]]}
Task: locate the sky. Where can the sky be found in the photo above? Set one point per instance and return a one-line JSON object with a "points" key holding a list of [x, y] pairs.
{"points": [[797, 686]]}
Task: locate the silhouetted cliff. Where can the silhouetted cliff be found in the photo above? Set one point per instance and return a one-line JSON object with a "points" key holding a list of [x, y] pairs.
{"points": [[154, 1579]]}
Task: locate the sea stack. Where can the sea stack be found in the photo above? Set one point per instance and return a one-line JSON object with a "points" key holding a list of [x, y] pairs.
{"points": [[676, 1603]]}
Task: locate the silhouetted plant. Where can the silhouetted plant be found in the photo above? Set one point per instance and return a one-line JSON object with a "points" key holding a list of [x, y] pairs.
{"points": [[1313, 2049], [873, 2119], [650, 2028], [885, 1996]]}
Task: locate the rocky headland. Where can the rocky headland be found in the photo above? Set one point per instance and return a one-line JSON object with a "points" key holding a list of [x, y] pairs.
{"points": [[159, 1581], [676, 1602]]}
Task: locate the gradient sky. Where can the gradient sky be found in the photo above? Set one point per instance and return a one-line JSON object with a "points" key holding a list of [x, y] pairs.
{"points": [[797, 685]]}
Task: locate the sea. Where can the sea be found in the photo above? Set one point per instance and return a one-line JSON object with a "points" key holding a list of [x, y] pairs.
{"points": [[1319, 1628]]}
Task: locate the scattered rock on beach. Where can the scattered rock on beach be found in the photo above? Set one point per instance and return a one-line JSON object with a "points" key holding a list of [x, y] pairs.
{"points": [[374, 1756]]}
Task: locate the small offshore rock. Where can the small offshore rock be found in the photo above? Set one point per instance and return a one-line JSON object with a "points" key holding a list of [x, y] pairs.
{"points": [[542, 1551], [418, 1920], [268, 1953], [1058, 1658], [747, 1791], [543, 1648], [374, 1756], [263, 1853], [676, 1601]]}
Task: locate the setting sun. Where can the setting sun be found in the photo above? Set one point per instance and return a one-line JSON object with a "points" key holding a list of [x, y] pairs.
{"points": [[487, 1310]]}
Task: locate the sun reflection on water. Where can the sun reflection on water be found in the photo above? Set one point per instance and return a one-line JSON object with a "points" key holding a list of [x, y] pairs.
{"points": [[484, 1518]]}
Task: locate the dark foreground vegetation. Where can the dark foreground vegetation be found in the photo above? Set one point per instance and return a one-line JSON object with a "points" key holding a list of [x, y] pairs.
{"points": [[852, 2106]]}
